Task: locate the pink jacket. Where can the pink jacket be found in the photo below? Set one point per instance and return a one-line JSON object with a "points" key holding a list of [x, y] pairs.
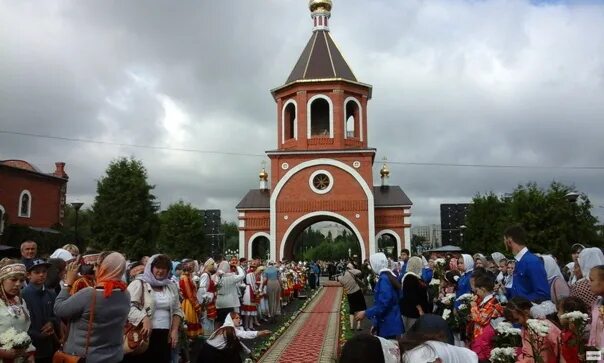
{"points": [[483, 344], [596, 333], [549, 354]]}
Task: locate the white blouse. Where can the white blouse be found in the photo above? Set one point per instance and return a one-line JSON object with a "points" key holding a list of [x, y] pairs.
{"points": [[161, 318]]}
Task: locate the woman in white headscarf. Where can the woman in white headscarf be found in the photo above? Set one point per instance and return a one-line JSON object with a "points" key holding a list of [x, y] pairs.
{"points": [[465, 265], [385, 313], [414, 301], [588, 259], [558, 286], [224, 345]]}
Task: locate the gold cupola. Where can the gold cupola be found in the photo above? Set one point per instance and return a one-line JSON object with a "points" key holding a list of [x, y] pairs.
{"points": [[320, 5]]}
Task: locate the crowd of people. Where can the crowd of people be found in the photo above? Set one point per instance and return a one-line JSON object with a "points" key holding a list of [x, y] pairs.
{"points": [[101, 307], [449, 308], [463, 308]]}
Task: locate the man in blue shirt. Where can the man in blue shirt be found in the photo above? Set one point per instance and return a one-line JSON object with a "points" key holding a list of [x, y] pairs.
{"points": [[529, 278]]}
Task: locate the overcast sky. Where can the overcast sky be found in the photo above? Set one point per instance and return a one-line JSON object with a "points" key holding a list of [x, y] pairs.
{"points": [[469, 82]]}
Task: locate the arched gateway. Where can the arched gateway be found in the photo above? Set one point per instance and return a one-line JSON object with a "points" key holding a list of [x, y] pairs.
{"points": [[322, 169]]}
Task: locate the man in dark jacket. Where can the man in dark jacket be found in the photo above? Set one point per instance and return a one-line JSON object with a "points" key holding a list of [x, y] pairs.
{"points": [[40, 301]]}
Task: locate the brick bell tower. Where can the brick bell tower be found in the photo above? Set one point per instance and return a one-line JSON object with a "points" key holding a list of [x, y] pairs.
{"points": [[322, 169]]}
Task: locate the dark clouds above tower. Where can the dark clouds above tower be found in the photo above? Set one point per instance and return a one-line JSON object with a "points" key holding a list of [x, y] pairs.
{"points": [[489, 82]]}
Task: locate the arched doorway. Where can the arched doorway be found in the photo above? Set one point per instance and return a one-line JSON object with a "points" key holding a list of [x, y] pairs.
{"points": [[344, 236], [259, 246], [388, 242]]}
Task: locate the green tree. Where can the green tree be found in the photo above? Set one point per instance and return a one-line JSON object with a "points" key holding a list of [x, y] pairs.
{"points": [[124, 212], [231, 236], [553, 223], [181, 232]]}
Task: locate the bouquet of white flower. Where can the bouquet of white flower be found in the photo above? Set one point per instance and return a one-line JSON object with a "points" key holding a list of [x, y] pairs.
{"points": [[439, 268], [577, 323], [503, 355], [448, 299], [11, 339], [466, 298], [507, 336], [537, 331]]}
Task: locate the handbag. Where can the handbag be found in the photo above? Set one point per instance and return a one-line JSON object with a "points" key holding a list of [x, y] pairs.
{"points": [[62, 357], [136, 342]]}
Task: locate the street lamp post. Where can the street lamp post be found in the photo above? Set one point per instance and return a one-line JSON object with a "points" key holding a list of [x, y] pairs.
{"points": [[462, 228], [77, 206]]}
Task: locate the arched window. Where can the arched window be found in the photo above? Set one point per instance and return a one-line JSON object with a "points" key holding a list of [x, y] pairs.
{"points": [[320, 122], [25, 204], [2, 213], [353, 118], [290, 127]]}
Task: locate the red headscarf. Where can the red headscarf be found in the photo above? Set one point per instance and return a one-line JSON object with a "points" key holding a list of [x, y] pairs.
{"points": [[109, 274]]}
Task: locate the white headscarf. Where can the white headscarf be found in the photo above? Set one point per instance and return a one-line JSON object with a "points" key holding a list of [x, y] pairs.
{"points": [[468, 263], [431, 350], [62, 254], [228, 321], [590, 258], [414, 266], [391, 350], [379, 263], [497, 256], [551, 268]]}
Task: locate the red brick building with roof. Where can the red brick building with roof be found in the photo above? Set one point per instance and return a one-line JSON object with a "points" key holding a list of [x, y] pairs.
{"points": [[31, 197], [322, 169]]}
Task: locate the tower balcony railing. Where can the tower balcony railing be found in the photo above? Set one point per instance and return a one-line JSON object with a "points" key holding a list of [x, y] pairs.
{"points": [[320, 140], [353, 141]]}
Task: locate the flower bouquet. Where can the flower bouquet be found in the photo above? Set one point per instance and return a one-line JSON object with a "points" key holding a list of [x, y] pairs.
{"points": [[14, 340], [537, 331], [434, 287], [503, 355], [577, 325], [464, 313], [451, 319], [439, 268], [507, 336]]}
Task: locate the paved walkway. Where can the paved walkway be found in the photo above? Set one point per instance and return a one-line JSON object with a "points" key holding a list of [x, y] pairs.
{"points": [[313, 336]]}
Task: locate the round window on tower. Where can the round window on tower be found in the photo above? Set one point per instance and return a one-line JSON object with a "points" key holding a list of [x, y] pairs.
{"points": [[321, 181]]}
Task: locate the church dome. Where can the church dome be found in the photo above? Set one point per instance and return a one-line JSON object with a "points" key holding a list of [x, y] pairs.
{"points": [[324, 5], [384, 171], [263, 175]]}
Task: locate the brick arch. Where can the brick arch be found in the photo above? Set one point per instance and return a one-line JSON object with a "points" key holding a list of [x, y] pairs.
{"points": [[308, 219], [317, 162]]}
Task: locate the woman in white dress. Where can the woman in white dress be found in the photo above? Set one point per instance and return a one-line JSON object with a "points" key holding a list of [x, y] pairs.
{"points": [[13, 312]]}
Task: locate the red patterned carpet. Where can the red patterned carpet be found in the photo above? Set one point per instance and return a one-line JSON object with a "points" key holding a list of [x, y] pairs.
{"points": [[313, 337]]}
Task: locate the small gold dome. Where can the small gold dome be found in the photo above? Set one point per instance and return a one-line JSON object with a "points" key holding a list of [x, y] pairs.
{"points": [[384, 171], [324, 5], [263, 175]]}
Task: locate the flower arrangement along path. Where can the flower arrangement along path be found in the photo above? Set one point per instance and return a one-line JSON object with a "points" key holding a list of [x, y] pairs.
{"points": [[313, 336]]}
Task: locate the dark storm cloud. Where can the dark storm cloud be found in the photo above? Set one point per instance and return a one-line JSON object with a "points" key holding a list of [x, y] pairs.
{"points": [[491, 82]]}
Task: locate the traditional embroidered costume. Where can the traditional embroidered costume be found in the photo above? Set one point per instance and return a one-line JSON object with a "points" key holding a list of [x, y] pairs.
{"points": [[190, 305]]}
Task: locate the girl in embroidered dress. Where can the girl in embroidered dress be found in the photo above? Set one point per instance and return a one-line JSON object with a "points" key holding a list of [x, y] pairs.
{"points": [[13, 311], [190, 305], [482, 313], [206, 294], [249, 309]]}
